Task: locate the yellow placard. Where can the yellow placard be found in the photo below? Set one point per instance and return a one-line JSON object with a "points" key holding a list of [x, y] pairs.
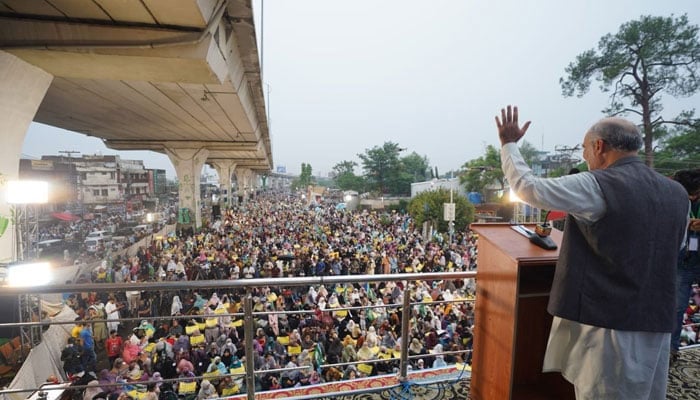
{"points": [[195, 340], [202, 326], [294, 349], [239, 370], [375, 349], [135, 394], [284, 340], [211, 322], [149, 348], [230, 391], [237, 323], [187, 387], [212, 374], [221, 310], [341, 313], [190, 329], [396, 353], [365, 368]]}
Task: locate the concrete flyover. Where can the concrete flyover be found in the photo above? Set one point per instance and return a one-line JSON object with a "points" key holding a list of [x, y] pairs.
{"points": [[180, 77]]}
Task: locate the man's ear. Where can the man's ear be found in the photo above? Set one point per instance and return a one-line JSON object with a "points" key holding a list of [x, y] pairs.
{"points": [[600, 146]]}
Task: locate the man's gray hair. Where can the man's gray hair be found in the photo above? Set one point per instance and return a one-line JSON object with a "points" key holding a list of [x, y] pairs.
{"points": [[618, 133]]}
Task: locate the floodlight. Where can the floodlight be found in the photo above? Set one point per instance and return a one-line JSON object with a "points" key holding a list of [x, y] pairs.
{"points": [[32, 274], [27, 192], [513, 198]]}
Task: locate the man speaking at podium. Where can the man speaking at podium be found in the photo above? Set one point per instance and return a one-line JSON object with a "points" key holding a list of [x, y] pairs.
{"points": [[613, 294]]}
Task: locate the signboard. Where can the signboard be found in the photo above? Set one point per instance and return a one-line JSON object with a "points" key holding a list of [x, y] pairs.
{"points": [[449, 211], [42, 165], [281, 169]]}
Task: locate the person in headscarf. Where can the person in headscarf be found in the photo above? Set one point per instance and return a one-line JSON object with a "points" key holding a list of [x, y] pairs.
{"points": [[213, 300], [371, 338], [107, 378], [182, 344], [439, 358], [311, 296], [199, 302], [349, 353], [207, 391], [228, 345], [365, 353], [176, 306], [99, 329]]}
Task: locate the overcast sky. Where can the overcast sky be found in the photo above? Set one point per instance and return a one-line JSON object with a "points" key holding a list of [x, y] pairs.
{"points": [[345, 76]]}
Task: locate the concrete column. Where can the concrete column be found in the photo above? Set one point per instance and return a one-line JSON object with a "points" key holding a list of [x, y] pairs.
{"points": [[225, 168], [22, 89], [245, 182], [188, 165]]}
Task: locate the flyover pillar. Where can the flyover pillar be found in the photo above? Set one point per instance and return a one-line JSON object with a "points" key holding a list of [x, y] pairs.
{"points": [[188, 165], [244, 176], [22, 89], [225, 168]]}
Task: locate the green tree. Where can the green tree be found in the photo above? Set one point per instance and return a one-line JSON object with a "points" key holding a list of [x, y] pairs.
{"points": [[679, 150], [416, 167], [428, 206], [645, 58], [305, 178], [382, 168], [345, 178], [477, 174]]}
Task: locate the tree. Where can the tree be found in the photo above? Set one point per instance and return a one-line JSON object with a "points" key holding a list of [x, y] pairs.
{"points": [[679, 150], [479, 173], [382, 167], [645, 58], [345, 177], [428, 206], [305, 178], [416, 167]]}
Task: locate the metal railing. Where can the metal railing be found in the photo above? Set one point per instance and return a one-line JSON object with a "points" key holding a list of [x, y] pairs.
{"points": [[248, 285]]}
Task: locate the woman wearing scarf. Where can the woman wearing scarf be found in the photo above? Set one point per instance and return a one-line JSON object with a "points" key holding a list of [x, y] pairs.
{"points": [[176, 306]]}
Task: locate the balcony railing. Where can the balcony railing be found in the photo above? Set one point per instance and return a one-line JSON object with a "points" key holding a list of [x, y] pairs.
{"points": [[248, 315]]}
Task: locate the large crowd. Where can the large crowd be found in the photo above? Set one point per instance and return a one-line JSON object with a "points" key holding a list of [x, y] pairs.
{"points": [[314, 341]]}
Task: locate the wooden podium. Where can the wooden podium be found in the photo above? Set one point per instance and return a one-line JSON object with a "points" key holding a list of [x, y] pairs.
{"points": [[514, 278]]}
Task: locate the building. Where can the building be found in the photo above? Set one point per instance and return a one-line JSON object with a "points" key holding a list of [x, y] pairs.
{"points": [[435, 184], [96, 182]]}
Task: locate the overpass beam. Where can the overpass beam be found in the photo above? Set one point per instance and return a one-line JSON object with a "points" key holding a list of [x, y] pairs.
{"points": [[225, 168], [22, 89], [188, 165]]}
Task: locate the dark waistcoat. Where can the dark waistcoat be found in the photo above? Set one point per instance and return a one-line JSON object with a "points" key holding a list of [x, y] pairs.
{"points": [[620, 272]]}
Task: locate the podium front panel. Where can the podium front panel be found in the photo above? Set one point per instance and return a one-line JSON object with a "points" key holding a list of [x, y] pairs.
{"points": [[512, 325]]}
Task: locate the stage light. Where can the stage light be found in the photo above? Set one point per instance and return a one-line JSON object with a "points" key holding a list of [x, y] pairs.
{"points": [[27, 192], [32, 274]]}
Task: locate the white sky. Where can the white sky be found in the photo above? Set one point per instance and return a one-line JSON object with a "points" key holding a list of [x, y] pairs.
{"points": [[345, 76]]}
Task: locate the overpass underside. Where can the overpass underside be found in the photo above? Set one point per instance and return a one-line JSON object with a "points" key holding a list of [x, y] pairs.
{"points": [[180, 78]]}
